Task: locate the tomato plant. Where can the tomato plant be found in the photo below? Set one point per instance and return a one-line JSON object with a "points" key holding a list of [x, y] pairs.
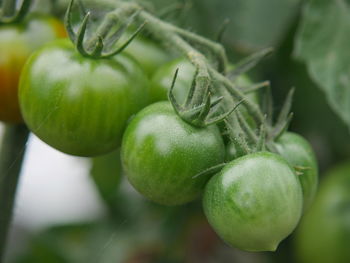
{"points": [[324, 233], [299, 153], [162, 154], [254, 202], [210, 133], [17, 42], [162, 78], [80, 105]]}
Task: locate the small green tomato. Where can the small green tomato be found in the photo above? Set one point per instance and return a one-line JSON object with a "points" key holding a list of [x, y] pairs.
{"points": [[254, 202], [162, 154]]}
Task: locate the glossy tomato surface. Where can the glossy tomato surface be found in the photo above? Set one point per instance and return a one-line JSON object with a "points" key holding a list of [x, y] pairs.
{"points": [[163, 77], [79, 105], [299, 153], [324, 232], [161, 154], [148, 54], [17, 42], [254, 202]]}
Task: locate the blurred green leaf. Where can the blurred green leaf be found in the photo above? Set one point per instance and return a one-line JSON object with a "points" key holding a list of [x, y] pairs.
{"points": [[106, 172], [254, 24], [322, 43], [88, 243]]}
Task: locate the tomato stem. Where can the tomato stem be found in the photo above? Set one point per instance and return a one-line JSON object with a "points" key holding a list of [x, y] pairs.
{"points": [[8, 7], [9, 14], [176, 36], [11, 157], [210, 77]]}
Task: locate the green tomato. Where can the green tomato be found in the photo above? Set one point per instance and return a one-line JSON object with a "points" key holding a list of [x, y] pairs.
{"points": [[163, 77], [17, 42], [161, 154], [299, 153], [79, 105], [254, 202], [149, 55], [324, 232], [231, 151]]}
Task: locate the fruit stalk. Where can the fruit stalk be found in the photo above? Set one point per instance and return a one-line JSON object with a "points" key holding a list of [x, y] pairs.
{"points": [[206, 72], [8, 7], [11, 156]]}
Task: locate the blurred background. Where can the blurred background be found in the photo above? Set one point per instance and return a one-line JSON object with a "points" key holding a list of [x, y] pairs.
{"points": [[73, 210]]}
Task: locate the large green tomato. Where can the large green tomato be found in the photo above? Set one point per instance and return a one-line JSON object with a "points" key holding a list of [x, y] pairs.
{"points": [[161, 154], [324, 233], [17, 42], [254, 202], [79, 105], [299, 153]]}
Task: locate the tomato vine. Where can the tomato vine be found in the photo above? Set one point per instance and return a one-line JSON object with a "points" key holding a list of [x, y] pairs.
{"points": [[215, 96]]}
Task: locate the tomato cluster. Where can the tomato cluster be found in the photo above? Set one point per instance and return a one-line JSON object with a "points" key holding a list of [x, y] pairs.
{"points": [[91, 106]]}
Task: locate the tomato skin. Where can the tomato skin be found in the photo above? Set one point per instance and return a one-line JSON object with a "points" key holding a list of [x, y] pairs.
{"points": [[254, 202], [161, 154], [17, 42], [79, 105], [149, 55], [299, 153], [324, 232], [163, 77]]}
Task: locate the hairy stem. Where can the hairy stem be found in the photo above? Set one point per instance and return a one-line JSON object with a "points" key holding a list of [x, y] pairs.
{"points": [[217, 48], [110, 21], [206, 72], [11, 157]]}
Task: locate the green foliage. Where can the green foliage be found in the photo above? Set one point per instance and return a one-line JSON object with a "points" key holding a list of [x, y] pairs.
{"points": [[136, 230], [254, 24], [322, 43], [106, 173], [324, 233]]}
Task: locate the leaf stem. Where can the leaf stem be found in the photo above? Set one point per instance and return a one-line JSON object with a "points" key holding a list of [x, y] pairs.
{"points": [[172, 35], [8, 7], [11, 157]]}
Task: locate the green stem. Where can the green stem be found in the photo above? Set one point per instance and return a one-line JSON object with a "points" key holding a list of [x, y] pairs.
{"points": [[171, 34], [252, 108], [110, 21], [8, 7], [164, 31], [217, 48], [11, 157]]}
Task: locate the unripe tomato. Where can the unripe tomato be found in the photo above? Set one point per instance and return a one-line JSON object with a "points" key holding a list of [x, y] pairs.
{"points": [[161, 154], [17, 42], [299, 153], [149, 55], [254, 202], [80, 105], [324, 233], [163, 77]]}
